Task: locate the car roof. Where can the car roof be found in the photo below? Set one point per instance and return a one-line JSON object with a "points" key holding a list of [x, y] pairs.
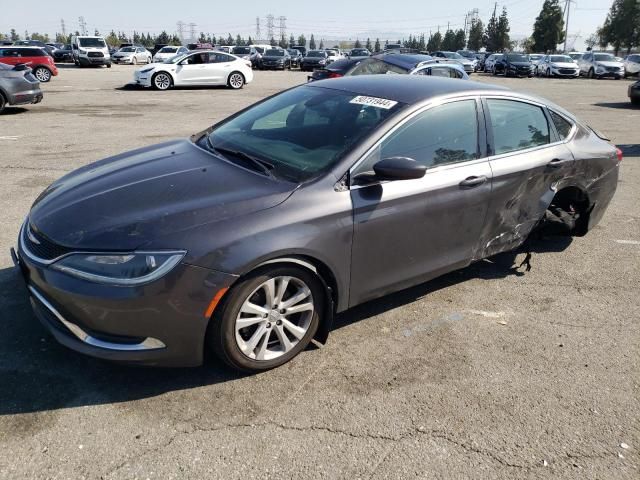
{"points": [[407, 89], [404, 60]]}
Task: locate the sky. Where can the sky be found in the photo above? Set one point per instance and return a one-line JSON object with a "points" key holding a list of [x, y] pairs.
{"points": [[329, 19]]}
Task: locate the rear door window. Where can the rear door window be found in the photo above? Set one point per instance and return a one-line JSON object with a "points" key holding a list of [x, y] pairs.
{"points": [[517, 125]]}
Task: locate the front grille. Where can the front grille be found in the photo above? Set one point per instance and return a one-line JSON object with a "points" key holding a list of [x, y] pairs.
{"points": [[567, 71], [95, 54], [42, 247], [612, 69]]}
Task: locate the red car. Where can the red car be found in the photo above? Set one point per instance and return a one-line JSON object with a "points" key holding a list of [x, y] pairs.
{"points": [[36, 58]]}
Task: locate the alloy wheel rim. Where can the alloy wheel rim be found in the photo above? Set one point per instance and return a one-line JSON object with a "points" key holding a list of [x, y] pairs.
{"points": [[236, 80], [42, 75], [274, 318], [162, 82]]}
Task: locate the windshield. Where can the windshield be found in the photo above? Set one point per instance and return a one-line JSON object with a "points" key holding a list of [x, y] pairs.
{"points": [[316, 53], [241, 50], [259, 49], [92, 42], [604, 57], [515, 57], [359, 53], [561, 59], [535, 56], [467, 54], [168, 50], [296, 130], [452, 55], [274, 53], [128, 49], [374, 66]]}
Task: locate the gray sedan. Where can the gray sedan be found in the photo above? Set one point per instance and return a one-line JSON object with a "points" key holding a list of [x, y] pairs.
{"points": [[18, 86], [247, 238]]}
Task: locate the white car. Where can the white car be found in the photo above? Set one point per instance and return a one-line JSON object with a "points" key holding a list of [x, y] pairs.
{"points": [[558, 66], [333, 55], [132, 55], [600, 65], [632, 65], [165, 53], [198, 68]]}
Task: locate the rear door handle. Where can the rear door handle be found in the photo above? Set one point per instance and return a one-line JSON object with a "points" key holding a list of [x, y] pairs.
{"points": [[473, 181], [556, 163]]}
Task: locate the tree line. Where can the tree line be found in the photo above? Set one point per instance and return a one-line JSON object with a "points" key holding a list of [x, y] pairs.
{"points": [[621, 30]]}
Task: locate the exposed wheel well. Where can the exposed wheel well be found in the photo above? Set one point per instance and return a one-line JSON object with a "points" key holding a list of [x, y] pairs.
{"points": [[571, 207]]}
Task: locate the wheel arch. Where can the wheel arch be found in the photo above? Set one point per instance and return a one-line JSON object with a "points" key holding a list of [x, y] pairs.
{"points": [[319, 268], [575, 196]]}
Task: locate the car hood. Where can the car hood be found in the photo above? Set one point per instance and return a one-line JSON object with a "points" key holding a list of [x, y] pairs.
{"points": [[610, 64], [313, 59], [519, 64], [273, 57], [564, 65], [127, 201]]}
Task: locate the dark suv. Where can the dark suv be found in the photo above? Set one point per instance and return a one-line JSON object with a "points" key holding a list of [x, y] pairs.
{"points": [[514, 64]]}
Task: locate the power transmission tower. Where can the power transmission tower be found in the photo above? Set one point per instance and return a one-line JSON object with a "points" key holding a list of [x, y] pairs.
{"points": [[282, 26], [63, 27], [257, 28], [83, 25], [180, 26], [192, 31], [269, 27], [567, 8]]}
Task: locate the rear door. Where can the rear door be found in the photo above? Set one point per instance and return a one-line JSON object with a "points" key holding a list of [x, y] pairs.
{"points": [[408, 231], [528, 159], [220, 66], [10, 56]]}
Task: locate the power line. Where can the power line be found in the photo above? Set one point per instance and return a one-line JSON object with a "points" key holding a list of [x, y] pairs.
{"points": [[567, 9], [283, 26], [180, 27], [63, 28], [192, 31], [257, 28]]}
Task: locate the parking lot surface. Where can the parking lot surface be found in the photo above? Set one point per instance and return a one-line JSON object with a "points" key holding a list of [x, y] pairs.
{"points": [[487, 372]]}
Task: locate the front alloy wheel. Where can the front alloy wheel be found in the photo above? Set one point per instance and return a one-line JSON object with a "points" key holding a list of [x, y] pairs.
{"points": [[268, 318], [161, 81]]}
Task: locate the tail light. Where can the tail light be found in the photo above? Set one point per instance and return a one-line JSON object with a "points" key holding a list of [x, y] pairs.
{"points": [[335, 75], [619, 154]]}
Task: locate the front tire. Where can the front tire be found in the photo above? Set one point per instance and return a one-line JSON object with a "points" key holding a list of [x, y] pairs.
{"points": [[43, 74], [591, 73], [267, 318], [161, 81], [3, 103], [236, 80]]}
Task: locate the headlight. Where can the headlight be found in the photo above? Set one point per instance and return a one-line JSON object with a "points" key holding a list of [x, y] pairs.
{"points": [[125, 270], [82, 52], [322, 62], [146, 70]]}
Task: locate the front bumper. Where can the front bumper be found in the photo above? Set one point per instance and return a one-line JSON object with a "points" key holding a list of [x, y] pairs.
{"points": [[143, 79], [123, 60], [160, 324], [565, 72], [94, 61], [609, 73]]}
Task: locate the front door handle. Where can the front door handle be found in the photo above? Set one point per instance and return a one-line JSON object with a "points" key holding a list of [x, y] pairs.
{"points": [[474, 181], [556, 163]]}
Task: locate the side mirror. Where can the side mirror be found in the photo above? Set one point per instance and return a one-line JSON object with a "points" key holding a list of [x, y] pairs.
{"points": [[399, 168]]}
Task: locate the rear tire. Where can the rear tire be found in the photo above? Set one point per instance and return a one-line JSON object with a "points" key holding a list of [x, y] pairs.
{"points": [[134, 60], [274, 337], [43, 74], [3, 102], [591, 73]]}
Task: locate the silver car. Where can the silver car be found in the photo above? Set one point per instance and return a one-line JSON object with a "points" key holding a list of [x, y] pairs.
{"points": [[18, 86], [600, 65], [632, 65], [132, 55]]}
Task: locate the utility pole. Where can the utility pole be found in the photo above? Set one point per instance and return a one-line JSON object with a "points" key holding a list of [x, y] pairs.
{"points": [[180, 26], [567, 9], [257, 28], [269, 27], [192, 31], [83, 25], [63, 28]]}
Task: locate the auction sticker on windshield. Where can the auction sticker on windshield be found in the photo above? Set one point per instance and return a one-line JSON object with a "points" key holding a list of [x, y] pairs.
{"points": [[374, 102]]}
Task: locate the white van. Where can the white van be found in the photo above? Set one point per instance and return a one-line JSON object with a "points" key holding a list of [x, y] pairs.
{"points": [[90, 50]]}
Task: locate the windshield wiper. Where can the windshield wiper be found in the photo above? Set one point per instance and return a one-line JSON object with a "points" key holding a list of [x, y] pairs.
{"points": [[263, 166]]}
